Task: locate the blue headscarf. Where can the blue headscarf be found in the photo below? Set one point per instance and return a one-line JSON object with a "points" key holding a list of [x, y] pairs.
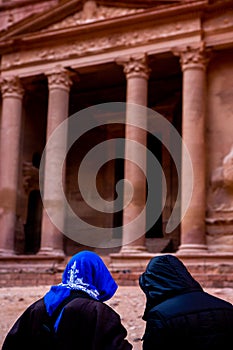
{"points": [[86, 272]]}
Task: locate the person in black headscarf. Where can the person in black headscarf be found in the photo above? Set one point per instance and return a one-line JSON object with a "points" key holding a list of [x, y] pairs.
{"points": [[72, 314], [179, 313]]}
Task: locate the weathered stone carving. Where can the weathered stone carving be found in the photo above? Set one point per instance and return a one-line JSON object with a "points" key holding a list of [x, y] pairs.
{"points": [[30, 177], [220, 208], [135, 65], [223, 175], [59, 78], [11, 86], [193, 56], [222, 185], [93, 13], [99, 44], [228, 170]]}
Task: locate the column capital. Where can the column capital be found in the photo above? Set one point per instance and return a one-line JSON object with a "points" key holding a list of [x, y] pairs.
{"points": [[59, 78], [11, 87], [193, 56], [135, 66]]}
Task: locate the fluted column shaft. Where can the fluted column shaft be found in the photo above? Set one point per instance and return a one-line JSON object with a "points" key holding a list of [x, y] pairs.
{"points": [[12, 95], [193, 62], [59, 86], [137, 74]]}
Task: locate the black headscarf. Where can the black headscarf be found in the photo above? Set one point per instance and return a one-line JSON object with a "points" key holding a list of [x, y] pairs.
{"points": [[165, 276]]}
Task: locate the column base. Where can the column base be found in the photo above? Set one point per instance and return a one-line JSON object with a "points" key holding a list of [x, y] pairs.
{"points": [[192, 249], [7, 252], [131, 249], [129, 260], [51, 252]]}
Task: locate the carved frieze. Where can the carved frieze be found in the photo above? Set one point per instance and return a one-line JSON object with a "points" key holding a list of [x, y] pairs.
{"points": [[100, 43], [11, 86]]}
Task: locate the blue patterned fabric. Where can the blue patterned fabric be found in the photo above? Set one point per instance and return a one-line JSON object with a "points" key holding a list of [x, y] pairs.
{"points": [[86, 272]]}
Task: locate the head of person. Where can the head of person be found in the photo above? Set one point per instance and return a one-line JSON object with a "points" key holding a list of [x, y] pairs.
{"points": [[85, 272], [165, 276]]}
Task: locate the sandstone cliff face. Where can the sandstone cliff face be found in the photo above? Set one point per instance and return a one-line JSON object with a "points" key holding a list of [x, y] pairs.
{"points": [[220, 154]]}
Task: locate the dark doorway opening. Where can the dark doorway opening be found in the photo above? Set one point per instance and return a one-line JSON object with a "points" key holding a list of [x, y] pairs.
{"points": [[33, 223], [118, 215], [155, 146]]}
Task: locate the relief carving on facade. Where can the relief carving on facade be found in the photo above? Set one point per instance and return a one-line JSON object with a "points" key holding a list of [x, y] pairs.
{"points": [[135, 65], [228, 170], [222, 185], [193, 56], [14, 14], [92, 12], [59, 78], [99, 44], [220, 206], [30, 177], [11, 86]]}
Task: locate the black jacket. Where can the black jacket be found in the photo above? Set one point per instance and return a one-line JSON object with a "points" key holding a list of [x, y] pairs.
{"points": [[86, 324], [179, 313]]}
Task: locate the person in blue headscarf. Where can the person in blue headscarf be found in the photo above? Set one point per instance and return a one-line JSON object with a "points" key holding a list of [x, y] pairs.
{"points": [[72, 314]]}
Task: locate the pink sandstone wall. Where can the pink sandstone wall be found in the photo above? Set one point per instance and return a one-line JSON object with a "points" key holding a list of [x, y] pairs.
{"points": [[219, 135]]}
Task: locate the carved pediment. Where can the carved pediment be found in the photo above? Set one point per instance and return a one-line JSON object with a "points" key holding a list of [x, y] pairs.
{"points": [[11, 14], [91, 12], [79, 12]]}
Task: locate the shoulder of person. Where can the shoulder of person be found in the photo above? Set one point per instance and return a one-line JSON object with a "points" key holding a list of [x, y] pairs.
{"points": [[35, 306], [89, 305]]}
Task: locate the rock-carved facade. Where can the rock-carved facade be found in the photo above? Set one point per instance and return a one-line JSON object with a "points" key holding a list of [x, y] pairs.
{"points": [[175, 57]]}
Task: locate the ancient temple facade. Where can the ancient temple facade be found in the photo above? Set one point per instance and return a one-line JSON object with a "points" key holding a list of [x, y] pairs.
{"points": [[173, 58]]}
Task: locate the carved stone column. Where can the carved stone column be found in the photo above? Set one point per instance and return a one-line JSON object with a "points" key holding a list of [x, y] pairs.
{"points": [[12, 94], [59, 86], [193, 63], [137, 73]]}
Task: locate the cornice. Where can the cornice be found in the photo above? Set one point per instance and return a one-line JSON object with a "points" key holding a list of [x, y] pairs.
{"points": [[20, 3], [11, 43]]}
